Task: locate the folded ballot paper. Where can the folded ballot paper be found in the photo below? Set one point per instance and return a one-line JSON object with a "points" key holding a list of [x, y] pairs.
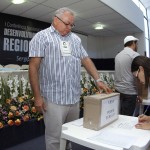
{"points": [[100, 110], [112, 137]]}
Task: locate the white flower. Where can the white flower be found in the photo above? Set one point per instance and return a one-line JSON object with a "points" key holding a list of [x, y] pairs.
{"points": [[24, 85], [13, 87]]}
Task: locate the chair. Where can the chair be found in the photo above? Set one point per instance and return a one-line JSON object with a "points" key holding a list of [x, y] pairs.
{"points": [[24, 67], [13, 66]]}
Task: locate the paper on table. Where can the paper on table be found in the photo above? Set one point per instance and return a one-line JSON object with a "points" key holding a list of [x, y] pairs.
{"points": [[127, 124], [115, 139]]}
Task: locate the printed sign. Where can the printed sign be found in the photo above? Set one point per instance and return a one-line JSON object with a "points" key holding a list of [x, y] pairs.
{"points": [[15, 35], [109, 110]]}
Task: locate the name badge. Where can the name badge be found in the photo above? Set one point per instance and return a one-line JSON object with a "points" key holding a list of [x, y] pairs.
{"points": [[65, 48]]}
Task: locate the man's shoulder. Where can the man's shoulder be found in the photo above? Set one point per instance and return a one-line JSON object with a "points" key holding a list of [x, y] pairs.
{"points": [[126, 53], [44, 30], [119, 53], [132, 52], [42, 33], [74, 35]]}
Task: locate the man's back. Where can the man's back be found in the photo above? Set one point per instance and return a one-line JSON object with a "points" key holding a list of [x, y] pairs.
{"points": [[124, 81]]}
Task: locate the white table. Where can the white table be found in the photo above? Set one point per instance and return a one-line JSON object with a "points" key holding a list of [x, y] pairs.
{"points": [[75, 132], [5, 72]]}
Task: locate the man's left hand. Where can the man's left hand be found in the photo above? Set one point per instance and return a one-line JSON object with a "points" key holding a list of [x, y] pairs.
{"points": [[103, 86]]}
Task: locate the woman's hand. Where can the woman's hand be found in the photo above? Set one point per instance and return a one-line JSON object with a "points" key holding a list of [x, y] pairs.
{"points": [[143, 118], [145, 126], [144, 122]]}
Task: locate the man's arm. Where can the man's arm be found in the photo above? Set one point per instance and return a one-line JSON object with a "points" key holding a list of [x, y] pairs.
{"points": [[91, 69], [34, 65]]}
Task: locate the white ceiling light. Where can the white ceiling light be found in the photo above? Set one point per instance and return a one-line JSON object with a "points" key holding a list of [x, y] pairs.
{"points": [[99, 27], [18, 1]]}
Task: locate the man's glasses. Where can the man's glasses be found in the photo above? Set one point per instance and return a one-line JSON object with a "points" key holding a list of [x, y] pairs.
{"points": [[67, 24]]}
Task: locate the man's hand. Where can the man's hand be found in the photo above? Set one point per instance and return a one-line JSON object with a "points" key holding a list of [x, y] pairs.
{"points": [[39, 104], [103, 86], [139, 99]]}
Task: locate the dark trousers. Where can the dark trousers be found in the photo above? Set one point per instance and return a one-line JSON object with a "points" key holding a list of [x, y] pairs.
{"points": [[127, 104]]}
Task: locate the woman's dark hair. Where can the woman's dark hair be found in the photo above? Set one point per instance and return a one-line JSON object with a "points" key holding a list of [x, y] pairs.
{"points": [[145, 63]]}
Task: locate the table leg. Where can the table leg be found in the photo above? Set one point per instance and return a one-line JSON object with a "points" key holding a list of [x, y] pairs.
{"points": [[63, 144]]}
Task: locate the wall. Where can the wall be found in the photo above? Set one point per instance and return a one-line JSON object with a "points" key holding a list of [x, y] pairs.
{"points": [[108, 47], [104, 47], [114, 45], [97, 47], [94, 47], [148, 12], [83, 39]]}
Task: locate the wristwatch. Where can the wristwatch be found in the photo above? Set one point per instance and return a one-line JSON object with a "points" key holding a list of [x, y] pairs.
{"points": [[99, 80]]}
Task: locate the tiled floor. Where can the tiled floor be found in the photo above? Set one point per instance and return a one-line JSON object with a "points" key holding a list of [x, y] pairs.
{"points": [[39, 144], [35, 144]]}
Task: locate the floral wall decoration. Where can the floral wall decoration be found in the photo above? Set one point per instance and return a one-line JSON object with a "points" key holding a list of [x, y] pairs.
{"points": [[88, 86], [17, 101]]}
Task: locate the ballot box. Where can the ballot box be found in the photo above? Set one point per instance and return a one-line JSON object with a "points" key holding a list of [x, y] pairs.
{"points": [[100, 110]]}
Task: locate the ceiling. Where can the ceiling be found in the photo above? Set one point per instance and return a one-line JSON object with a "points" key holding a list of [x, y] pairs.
{"points": [[88, 12]]}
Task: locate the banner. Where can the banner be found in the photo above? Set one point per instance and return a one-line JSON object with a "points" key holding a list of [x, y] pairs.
{"points": [[15, 35]]}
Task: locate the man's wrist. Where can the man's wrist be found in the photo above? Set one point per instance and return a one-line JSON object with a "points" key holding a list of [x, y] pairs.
{"points": [[99, 80]]}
